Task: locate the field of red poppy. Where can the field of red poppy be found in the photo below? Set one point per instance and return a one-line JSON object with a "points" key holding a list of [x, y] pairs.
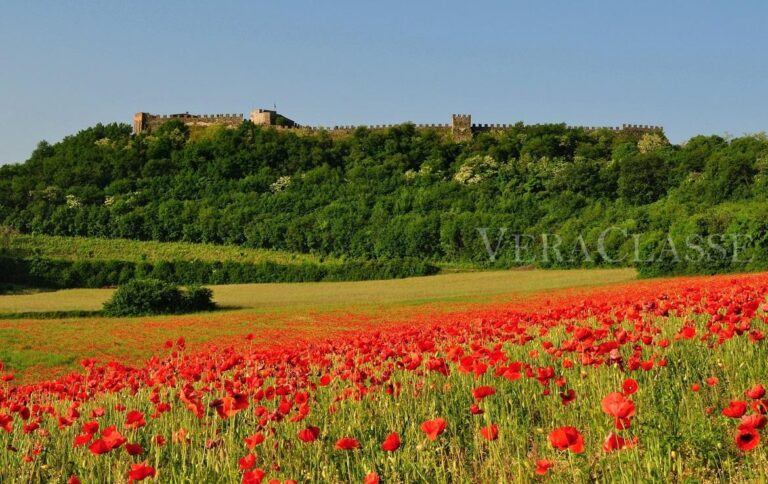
{"points": [[273, 313], [652, 381]]}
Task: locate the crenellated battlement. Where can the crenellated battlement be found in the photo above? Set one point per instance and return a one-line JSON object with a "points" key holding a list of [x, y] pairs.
{"points": [[460, 128], [146, 122]]}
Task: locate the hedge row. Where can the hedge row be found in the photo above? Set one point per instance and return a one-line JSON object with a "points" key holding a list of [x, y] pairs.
{"points": [[42, 272]]}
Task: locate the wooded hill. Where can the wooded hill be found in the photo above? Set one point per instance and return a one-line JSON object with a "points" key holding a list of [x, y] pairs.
{"points": [[405, 192]]}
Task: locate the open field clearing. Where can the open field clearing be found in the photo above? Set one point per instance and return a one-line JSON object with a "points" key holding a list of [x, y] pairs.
{"points": [[468, 286], [49, 301], [272, 312], [458, 287], [653, 381]]}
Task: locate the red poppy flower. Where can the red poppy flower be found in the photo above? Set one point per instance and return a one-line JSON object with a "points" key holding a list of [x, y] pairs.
{"points": [[433, 428], [567, 438], [309, 434], [6, 422], [91, 427], [712, 381], [99, 447], [629, 386], [347, 443], [254, 440], [615, 442], [391, 443], [695, 387], [490, 432], [617, 405], [230, 405], [371, 478], [687, 332], [756, 392], [543, 466], [24, 413], [759, 406], [254, 477], [82, 439], [112, 437], [134, 419], [247, 462], [735, 409], [568, 396], [747, 439], [755, 421], [141, 471], [475, 410], [73, 480], [481, 392], [622, 423], [134, 449], [65, 422]]}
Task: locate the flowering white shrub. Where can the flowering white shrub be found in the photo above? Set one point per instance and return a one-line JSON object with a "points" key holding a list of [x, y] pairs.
{"points": [[476, 169], [73, 202], [280, 184]]}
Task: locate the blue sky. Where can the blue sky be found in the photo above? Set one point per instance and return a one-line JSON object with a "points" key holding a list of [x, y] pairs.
{"points": [[691, 66]]}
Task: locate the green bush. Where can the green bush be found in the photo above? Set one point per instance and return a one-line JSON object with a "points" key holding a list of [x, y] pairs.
{"points": [[142, 297], [198, 298]]}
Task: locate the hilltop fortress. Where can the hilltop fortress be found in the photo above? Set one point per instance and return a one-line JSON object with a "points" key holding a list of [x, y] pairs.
{"points": [[461, 127]]}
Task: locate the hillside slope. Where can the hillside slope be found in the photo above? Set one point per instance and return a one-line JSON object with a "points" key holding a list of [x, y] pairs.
{"points": [[408, 192], [82, 262]]}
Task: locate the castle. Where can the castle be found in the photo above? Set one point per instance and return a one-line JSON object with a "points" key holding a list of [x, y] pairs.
{"points": [[461, 127]]}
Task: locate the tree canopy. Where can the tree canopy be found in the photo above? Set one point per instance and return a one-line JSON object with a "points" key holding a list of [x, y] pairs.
{"points": [[399, 192]]}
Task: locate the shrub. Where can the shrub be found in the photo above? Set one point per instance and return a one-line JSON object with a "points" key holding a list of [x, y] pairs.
{"points": [[142, 297], [198, 298]]}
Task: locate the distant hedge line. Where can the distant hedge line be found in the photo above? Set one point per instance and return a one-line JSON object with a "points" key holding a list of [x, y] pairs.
{"points": [[43, 272]]}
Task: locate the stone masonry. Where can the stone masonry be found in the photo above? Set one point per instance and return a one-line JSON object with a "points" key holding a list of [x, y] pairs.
{"points": [[461, 127]]}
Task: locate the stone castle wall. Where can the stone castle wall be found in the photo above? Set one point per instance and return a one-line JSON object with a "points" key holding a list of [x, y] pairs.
{"points": [[145, 122], [461, 127]]}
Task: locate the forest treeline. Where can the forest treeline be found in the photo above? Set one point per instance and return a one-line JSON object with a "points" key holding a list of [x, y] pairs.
{"points": [[581, 198]]}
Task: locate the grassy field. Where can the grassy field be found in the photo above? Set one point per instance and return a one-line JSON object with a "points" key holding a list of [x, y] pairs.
{"points": [[85, 248], [272, 312], [471, 286]]}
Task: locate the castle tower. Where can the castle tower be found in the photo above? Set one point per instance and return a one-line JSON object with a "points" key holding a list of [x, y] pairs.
{"points": [[461, 127], [263, 117], [139, 122]]}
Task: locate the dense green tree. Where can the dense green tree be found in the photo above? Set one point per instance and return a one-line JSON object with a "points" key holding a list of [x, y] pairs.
{"points": [[643, 178]]}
